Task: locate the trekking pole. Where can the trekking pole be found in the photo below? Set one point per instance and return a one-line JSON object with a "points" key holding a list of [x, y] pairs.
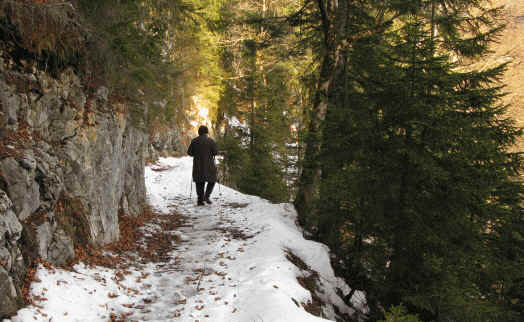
{"points": [[190, 187], [219, 179], [218, 182]]}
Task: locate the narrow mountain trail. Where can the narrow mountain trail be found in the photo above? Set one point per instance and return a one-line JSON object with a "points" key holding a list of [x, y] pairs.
{"points": [[240, 259]]}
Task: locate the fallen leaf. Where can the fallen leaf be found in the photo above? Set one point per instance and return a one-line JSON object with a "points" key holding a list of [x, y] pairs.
{"points": [[39, 298]]}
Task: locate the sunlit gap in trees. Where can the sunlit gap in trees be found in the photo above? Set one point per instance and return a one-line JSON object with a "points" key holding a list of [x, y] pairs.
{"points": [[201, 117]]}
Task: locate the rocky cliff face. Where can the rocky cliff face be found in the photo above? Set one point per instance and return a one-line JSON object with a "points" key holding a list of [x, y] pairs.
{"points": [[167, 142], [69, 163]]}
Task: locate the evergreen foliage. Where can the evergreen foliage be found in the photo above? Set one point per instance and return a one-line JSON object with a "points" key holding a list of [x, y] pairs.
{"points": [[419, 194], [140, 49], [399, 314], [255, 110]]}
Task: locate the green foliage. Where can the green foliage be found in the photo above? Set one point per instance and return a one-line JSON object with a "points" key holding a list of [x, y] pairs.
{"points": [[419, 194], [256, 107], [128, 42], [399, 314], [154, 56], [255, 152]]}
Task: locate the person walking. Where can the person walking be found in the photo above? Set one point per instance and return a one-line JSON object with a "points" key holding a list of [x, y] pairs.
{"points": [[203, 150]]}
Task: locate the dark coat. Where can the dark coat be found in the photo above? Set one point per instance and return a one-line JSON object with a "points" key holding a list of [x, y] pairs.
{"points": [[203, 150]]}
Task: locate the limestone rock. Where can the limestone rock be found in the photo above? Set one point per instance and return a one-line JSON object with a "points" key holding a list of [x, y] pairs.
{"points": [[82, 163], [5, 202], [10, 230], [102, 93], [8, 298], [44, 235], [21, 187], [167, 142], [5, 258], [10, 227], [61, 248], [9, 103], [28, 161]]}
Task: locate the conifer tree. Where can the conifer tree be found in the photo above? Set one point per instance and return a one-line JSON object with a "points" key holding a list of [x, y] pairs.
{"points": [[334, 16], [255, 108], [419, 194]]}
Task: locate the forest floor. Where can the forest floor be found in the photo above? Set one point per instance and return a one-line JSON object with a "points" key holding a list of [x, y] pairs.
{"points": [[241, 258]]}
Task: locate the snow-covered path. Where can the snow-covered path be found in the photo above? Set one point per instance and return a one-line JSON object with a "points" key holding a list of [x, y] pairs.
{"points": [[230, 264]]}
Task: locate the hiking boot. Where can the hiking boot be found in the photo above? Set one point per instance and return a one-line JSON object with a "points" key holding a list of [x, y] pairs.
{"points": [[208, 200], [200, 203]]}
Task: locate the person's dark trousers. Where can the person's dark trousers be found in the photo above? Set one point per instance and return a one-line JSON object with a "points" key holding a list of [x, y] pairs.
{"points": [[200, 191], [209, 190]]}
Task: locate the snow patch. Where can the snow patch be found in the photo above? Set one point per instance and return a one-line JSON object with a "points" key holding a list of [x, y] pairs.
{"points": [[231, 265]]}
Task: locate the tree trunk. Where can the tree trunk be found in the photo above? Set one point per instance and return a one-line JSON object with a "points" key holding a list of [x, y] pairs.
{"points": [[334, 17], [310, 175]]}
